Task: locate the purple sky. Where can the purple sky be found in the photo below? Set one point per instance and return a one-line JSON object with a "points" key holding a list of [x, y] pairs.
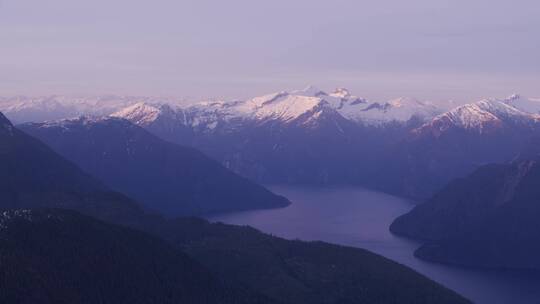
{"points": [[429, 49]]}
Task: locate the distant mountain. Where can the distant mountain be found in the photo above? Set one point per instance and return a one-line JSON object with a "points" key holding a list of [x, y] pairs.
{"points": [[529, 105], [488, 219], [250, 261], [455, 143], [306, 136], [23, 109], [59, 256], [165, 177], [300, 106], [484, 116], [403, 146]]}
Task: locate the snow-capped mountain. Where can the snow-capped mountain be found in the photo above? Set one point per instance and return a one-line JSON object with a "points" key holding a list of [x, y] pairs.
{"points": [[299, 107], [304, 136], [485, 116], [528, 105], [144, 113], [397, 110], [458, 141], [310, 136], [36, 109]]}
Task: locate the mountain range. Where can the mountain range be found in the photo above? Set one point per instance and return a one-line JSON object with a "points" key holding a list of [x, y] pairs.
{"points": [[303, 137], [311, 137], [163, 260], [317, 138], [474, 167], [22, 109]]}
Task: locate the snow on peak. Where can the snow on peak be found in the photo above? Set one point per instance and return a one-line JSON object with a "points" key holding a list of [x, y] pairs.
{"points": [[266, 99], [472, 116], [341, 93], [36, 109], [523, 104], [480, 116], [397, 110], [83, 120], [512, 97], [281, 106], [406, 101], [286, 107], [310, 91], [140, 113]]}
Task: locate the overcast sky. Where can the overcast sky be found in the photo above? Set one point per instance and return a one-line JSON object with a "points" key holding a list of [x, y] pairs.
{"points": [[429, 49]]}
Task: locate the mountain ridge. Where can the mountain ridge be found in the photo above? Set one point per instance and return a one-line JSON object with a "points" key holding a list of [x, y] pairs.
{"points": [[169, 178], [287, 106], [313, 137]]}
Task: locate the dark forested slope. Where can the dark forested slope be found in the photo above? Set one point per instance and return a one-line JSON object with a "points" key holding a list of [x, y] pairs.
{"points": [[163, 176]]}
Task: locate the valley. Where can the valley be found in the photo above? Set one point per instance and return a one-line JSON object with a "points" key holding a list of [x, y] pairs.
{"points": [[270, 152], [360, 218], [169, 160]]}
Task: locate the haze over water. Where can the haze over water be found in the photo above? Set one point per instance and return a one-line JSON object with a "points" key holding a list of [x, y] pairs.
{"points": [[360, 218]]}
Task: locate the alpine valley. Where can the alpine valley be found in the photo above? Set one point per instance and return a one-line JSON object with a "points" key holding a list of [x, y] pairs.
{"points": [[66, 237], [310, 137], [125, 174]]}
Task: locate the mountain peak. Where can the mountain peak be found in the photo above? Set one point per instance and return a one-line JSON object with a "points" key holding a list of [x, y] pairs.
{"points": [[310, 91], [523, 104], [485, 115], [341, 93], [87, 121], [405, 101], [514, 96], [140, 113]]}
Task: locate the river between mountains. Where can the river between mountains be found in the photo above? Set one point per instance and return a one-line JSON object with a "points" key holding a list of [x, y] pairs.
{"points": [[360, 218]]}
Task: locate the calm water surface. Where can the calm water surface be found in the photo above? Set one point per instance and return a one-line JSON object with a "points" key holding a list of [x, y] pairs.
{"points": [[360, 218]]}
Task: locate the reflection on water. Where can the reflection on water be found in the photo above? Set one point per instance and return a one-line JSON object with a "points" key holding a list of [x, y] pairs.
{"points": [[360, 218]]}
